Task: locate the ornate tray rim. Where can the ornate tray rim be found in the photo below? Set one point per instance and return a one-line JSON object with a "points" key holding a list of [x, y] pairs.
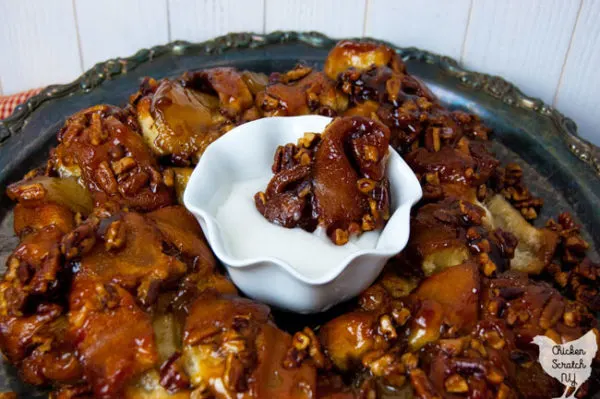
{"points": [[492, 85]]}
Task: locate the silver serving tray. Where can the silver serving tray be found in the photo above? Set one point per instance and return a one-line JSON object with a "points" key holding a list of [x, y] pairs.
{"points": [[558, 165]]}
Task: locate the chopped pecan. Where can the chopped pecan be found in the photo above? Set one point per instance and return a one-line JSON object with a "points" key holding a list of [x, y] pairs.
{"points": [[96, 131], [27, 192], [106, 178], [234, 375], [114, 238], [386, 365], [133, 183], [494, 340], [172, 376], [297, 73], [386, 327], [514, 173], [410, 360], [123, 165], [168, 177], [552, 312], [401, 316], [340, 237], [456, 384], [422, 386], [81, 240]]}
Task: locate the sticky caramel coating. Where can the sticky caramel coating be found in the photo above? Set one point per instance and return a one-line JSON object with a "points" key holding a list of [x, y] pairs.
{"points": [[40, 345], [177, 121], [103, 318], [130, 251], [181, 117], [29, 219], [301, 91], [335, 180], [33, 269], [249, 351]]}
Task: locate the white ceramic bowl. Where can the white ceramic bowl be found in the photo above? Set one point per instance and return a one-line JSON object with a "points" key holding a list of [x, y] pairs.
{"points": [[246, 152]]}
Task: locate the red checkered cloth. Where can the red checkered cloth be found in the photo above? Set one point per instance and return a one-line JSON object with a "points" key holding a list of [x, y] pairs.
{"points": [[9, 103]]}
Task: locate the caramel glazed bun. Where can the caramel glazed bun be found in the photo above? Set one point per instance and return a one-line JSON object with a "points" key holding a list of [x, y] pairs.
{"points": [[113, 292]]}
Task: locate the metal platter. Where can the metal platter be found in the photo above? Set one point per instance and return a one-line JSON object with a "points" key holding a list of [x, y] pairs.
{"points": [[558, 165]]}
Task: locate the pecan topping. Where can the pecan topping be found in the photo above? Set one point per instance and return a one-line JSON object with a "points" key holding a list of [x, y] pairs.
{"points": [[172, 377], [114, 238], [456, 384], [28, 192], [509, 181], [305, 345], [106, 178], [123, 165], [81, 240], [336, 180]]}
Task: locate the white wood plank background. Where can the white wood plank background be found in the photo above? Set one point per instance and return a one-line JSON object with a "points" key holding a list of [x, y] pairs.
{"points": [[550, 48], [524, 40], [38, 44], [114, 28], [337, 18], [201, 20], [578, 93], [435, 25]]}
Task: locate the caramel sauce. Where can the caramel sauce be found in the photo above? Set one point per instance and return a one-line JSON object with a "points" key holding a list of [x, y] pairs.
{"points": [[189, 116]]}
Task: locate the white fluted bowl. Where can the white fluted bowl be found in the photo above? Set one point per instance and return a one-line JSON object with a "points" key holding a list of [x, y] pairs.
{"points": [[246, 152]]}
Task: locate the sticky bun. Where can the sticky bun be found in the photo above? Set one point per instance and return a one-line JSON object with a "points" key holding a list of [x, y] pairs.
{"points": [[113, 291]]}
